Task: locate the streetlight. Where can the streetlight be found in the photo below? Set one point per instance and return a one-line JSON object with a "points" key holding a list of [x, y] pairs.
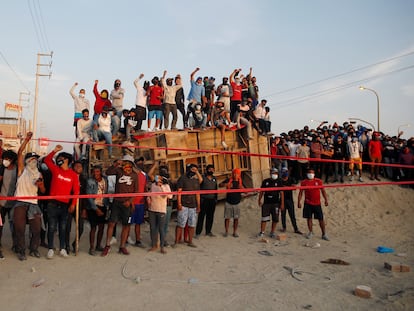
{"points": [[357, 119], [403, 125], [378, 104]]}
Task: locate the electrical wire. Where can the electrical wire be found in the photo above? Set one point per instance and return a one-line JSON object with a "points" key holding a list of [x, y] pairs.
{"points": [[300, 99], [15, 73], [42, 25], [35, 26], [341, 74]]}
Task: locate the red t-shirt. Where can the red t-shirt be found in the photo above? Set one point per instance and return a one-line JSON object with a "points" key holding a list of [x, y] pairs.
{"points": [[155, 95], [64, 182], [312, 196], [237, 91], [142, 181], [375, 148]]}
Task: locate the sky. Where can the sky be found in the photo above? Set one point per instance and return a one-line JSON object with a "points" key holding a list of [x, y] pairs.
{"points": [[309, 57]]}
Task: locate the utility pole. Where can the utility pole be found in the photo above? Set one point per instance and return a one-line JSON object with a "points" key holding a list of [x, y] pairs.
{"points": [[19, 121], [39, 74]]}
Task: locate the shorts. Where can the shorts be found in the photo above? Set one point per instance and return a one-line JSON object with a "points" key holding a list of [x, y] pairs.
{"points": [[231, 211], [187, 214], [94, 219], [155, 113], [357, 161], [270, 209], [315, 210], [76, 117], [120, 213], [137, 217]]}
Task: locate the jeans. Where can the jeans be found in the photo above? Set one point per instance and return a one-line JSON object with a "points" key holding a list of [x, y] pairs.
{"points": [[207, 209], [170, 108], [167, 219], [116, 122], [19, 217], [99, 134], [290, 208], [157, 222], [57, 213], [339, 168]]}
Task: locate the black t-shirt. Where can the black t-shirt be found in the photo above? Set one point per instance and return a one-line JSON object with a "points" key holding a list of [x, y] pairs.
{"points": [[188, 184], [272, 196], [288, 194], [234, 197]]}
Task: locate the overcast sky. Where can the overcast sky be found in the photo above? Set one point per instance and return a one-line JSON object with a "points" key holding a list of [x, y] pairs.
{"points": [[294, 47]]}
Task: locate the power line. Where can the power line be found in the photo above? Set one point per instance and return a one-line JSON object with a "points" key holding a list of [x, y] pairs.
{"points": [[42, 26], [341, 74], [300, 99], [36, 27], [15, 73]]}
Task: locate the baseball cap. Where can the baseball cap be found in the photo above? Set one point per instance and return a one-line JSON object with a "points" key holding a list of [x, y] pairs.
{"points": [[31, 155]]}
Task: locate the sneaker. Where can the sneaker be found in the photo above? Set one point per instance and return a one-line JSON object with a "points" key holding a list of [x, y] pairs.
{"points": [[99, 249], [63, 253], [166, 244], [360, 179], [130, 241], [325, 237], [113, 241], [272, 234], [211, 234], [123, 251], [105, 251], [225, 234], [260, 235], [235, 235], [309, 235], [351, 178], [138, 244], [50, 254], [297, 231], [223, 143], [92, 252], [197, 236], [192, 245], [21, 256], [233, 124], [35, 254]]}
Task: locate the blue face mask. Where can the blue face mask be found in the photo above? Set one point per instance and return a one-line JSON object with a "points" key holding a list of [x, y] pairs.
{"points": [[285, 174]]}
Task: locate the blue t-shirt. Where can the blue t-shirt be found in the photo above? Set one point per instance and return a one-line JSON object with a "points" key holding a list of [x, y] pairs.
{"points": [[196, 92]]}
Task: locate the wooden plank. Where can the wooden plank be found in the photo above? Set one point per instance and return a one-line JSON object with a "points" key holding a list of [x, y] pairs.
{"points": [[176, 139]]}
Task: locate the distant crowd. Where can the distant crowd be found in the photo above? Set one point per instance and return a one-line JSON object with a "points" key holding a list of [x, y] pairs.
{"points": [[309, 147]]}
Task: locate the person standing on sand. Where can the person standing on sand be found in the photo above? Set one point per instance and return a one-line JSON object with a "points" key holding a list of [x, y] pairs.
{"points": [[157, 207], [188, 205], [272, 203], [232, 208], [312, 206]]}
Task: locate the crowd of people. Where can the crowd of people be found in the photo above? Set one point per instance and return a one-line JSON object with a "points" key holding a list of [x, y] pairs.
{"points": [[337, 152], [233, 103]]}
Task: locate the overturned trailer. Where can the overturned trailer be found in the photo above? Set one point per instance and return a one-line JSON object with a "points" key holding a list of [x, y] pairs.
{"points": [[176, 149]]}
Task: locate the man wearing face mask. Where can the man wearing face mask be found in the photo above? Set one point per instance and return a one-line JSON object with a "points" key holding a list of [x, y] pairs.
{"points": [[272, 203], [117, 98], [64, 182], [220, 119], [188, 206], [287, 181], [8, 177], [224, 92], [29, 183], [80, 103], [208, 202], [101, 101], [236, 86], [312, 206], [196, 97], [170, 106]]}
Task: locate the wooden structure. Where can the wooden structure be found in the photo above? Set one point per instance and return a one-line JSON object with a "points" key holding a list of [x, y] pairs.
{"points": [[176, 149]]}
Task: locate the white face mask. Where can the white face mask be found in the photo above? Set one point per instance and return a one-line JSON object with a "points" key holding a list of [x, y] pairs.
{"points": [[275, 176], [310, 175], [6, 163], [81, 95], [32, 164]]}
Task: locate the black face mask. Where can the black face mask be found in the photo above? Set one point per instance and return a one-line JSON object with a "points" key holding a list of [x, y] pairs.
{"points": [[190, 174], [117, 84], [210, 173], [60, 162]]}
